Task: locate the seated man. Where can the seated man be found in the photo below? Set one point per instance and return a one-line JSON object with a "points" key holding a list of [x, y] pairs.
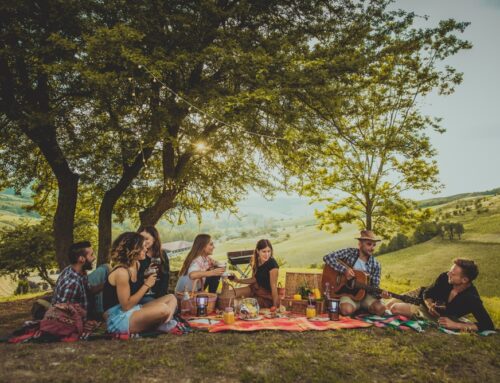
{"points": [[74, 286], [456, 294], [345, 260]]}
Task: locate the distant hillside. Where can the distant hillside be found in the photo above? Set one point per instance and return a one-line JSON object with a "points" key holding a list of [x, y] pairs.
{"points": [[252, 211], [13, 208], [442, 200]]}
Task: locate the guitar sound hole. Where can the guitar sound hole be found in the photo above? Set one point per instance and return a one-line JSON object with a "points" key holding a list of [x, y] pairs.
{"points": [[351, 283]]}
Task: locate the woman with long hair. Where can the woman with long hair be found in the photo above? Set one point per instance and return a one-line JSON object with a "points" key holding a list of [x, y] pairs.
{"points": [[123, 290], [157, 259], [199, 265], [264, 280]]}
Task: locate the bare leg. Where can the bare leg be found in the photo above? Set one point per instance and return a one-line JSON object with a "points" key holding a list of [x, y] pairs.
{"points": [[243, 292], [377, 308], [153, 314], [347, 309], [401, 309]]}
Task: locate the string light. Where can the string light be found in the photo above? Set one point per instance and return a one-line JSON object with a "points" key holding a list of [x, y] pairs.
{"points": [[178, 98]]}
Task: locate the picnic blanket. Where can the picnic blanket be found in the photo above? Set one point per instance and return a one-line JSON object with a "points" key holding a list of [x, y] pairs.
{"points": [[293, 323], [401, 322], [93, 330]]}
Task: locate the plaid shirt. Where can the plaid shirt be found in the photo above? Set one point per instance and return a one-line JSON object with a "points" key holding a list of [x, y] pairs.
{"points": [[71, 287], [349, 256]]}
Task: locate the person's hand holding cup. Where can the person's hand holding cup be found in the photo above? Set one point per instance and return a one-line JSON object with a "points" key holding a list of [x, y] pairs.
{"points": [[217, 272], [220, 264], [150, 280]]}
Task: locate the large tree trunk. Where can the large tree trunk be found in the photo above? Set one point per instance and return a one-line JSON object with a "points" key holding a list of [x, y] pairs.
{"points": [[64, 218], [105, 227], [44, 136], [151, 215], [109, 201]]}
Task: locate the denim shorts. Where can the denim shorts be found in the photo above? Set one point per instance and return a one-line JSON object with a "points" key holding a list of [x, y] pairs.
{"points": [[118, 320]]}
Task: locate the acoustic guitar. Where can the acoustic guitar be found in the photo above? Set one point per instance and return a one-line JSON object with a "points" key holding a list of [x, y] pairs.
{"points": [[336, 285]]}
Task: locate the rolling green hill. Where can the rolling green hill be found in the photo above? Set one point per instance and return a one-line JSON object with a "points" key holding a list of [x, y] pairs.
{"points": [[13, 208], [442, 200]]}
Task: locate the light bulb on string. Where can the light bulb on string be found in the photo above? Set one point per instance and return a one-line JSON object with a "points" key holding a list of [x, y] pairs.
{"points": [[192, 107]]}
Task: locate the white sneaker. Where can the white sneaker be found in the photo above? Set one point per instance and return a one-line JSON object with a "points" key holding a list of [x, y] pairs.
{"points": [[167, 326]]}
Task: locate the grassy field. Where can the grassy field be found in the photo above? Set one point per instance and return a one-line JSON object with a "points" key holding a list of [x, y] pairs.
{"points": [[304, 246], [375, 355], [367, 355]]}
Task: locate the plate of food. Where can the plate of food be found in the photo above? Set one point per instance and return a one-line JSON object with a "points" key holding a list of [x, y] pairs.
{"points": [[251, 319], [319, 319]]}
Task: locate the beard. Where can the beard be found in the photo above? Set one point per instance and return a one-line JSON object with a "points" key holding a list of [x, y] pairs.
{"points": [[87, 266], [366, 253]]}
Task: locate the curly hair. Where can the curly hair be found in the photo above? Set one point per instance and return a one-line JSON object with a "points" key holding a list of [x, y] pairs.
{"points": [[127, 248]]}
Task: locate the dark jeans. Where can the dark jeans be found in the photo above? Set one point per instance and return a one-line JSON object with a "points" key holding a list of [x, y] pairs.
{"points": [[212, 283], [146, 299]]}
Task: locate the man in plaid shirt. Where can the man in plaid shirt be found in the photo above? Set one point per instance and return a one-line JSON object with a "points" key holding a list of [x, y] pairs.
{"points": [[345, 260], [73, 285]]}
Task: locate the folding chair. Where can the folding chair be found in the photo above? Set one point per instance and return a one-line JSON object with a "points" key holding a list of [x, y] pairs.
{"points": [[240, 258]]}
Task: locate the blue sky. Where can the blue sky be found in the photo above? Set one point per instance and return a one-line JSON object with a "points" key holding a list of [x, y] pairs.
{"points": [[469, 151]]}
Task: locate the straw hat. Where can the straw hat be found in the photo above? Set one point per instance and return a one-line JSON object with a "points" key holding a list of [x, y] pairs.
{"points": [[367, 235]]}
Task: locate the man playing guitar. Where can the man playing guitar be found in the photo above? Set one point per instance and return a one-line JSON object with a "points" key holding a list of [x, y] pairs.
{"points": [[345, 260]]}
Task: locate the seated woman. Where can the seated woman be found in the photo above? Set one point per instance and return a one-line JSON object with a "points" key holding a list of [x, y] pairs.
{"points": [[199, 265], [154, 254], [122, 291], [264, 281]]}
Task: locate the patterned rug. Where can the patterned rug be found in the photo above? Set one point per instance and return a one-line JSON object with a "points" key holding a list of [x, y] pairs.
{"points": [[401, 322]]}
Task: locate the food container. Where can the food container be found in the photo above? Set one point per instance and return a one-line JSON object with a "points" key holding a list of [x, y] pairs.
{"points": [[249, 308], [228, 315], [310, 311]]}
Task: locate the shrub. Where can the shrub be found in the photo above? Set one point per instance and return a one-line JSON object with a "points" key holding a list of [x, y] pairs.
{"points": [[425, 231], [26, 248]]}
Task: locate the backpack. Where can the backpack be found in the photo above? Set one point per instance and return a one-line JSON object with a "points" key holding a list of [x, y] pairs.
{"points": [[63, 320]]}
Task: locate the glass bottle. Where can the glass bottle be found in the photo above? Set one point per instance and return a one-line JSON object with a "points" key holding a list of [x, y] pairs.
{"points": [[229, 315]]}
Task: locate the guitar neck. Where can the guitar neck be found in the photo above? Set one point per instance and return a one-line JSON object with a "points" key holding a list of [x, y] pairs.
{"points": [[376, 290]]}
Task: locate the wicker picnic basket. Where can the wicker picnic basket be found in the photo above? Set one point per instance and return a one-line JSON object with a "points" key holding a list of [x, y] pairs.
{"points": [[227, 296], [188, 306], [294, 280]]}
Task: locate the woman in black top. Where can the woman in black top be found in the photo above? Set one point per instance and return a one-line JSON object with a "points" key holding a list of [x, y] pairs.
{"points": [[122, 290], [264, 281], [155, 254]]}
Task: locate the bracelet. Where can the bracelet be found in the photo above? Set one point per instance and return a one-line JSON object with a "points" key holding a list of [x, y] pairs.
{"points": [[147, 285]]}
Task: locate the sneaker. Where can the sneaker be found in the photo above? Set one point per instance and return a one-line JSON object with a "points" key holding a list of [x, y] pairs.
{"points": [[167, 326]]}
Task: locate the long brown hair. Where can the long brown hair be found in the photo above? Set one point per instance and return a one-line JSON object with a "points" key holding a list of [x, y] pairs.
{"points": [[127, 248], [156, 246], [199, 244], [262, 244]]}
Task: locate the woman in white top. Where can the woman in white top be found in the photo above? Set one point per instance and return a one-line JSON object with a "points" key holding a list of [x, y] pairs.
{"points": [[199, 265]]}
